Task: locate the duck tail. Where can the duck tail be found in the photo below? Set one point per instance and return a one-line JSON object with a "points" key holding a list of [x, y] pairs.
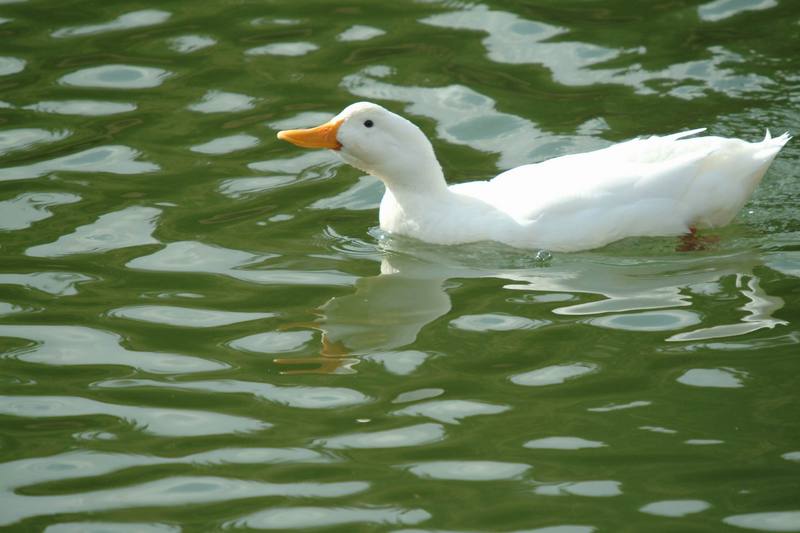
{"points": [[770, 146]]}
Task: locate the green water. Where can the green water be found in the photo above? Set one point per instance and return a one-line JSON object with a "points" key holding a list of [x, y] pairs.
{"points": [[201, 327]]}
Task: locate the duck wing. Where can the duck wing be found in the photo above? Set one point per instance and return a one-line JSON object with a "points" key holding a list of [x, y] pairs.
{"points": [[652, 186]]}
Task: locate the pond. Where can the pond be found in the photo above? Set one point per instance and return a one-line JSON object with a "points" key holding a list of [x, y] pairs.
{"points": [[202, 327]]}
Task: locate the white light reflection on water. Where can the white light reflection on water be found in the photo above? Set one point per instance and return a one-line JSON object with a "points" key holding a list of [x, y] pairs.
{"points": [[451, 411], [223, 102], [303, 397], [27, 208], [169, 492], [675, 508], [54, 283], [308, 517], [134, 19], [132, 226], [110, 527], [515, 40], [592, 489], [86, 108], [774, 521], [154, 420], [283, 49], [11, 65], [723, 9], [226, 145], [117, 77], [391, 438], [190, 256], [79, 345], [186, 44], [111, 159], [468, 470], [184, 316], [25, 138]]}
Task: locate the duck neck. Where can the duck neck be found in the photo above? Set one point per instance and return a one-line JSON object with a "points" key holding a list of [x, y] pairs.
{"points": [[415, 184]]}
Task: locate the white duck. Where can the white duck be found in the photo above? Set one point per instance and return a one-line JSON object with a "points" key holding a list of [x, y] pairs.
{"points": [[644, 187]]}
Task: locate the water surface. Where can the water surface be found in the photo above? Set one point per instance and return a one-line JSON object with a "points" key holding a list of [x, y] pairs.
{"points": [[201, 327]]}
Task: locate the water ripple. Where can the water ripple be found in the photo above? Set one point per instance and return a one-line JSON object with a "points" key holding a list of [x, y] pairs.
{"points": [[273, 342], [169, 492], [226, 145], [360, 33], [186, 44], [662, 320], [365, 194], [390, 438], [553, 375], [241, 187], [515, 40], [24, 138], [117, 77], [400, 363], [773, 521], [563, 443], [495, 322], [55, 283], [726, 378], [134, 19], [111, 159], [722, 9], [86, 108], [468, 470], [283, 49], [25, 209], [675, 508], [184, 316], [132, 226], [451, 411], [308, 517], [11, 65], [154, 420], [596, 489], [190, 256], [79, 345], [222, 102], [110, 527], [304, 397], [85, 463]]}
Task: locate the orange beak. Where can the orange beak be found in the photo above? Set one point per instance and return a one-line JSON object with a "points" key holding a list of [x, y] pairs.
{"points": [[323, 136]]}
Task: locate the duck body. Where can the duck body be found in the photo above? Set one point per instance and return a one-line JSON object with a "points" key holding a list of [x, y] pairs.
{"points": [[656, 186]]}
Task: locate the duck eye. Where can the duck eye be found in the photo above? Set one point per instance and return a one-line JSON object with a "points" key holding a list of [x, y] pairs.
{"points": [[368, 123]]}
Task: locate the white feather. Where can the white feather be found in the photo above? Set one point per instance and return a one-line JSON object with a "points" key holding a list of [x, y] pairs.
{"points": [[643, 187]]}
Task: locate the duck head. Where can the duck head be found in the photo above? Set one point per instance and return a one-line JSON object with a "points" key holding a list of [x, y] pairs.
{"points": [[378, 142]]}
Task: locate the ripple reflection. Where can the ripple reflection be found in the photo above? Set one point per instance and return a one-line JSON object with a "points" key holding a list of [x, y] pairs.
{"points": [[307, 517], [111, 159], [86, 108], [304, 397], [390, 438], [154, 420], [134, 19], [25, 209], [132, 226], [451, 411], [78, 345], [117, 77], [468, 470]]}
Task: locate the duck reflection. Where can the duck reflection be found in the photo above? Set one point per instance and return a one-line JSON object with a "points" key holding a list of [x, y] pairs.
{"points": [[387, 311]]}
